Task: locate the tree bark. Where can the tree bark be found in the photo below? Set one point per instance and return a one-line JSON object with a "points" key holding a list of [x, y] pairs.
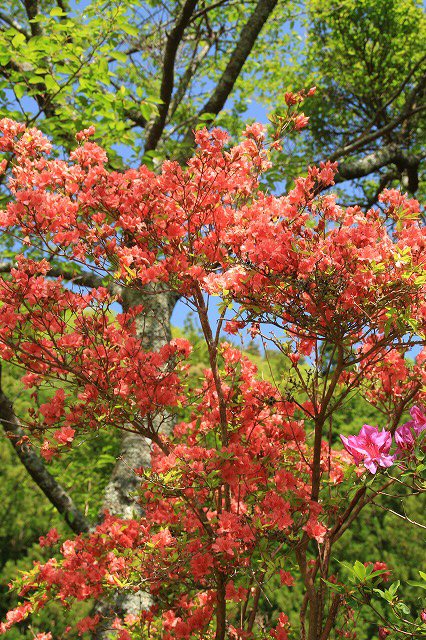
{"points": [[243, 48], [390, 154], [239, 55], [35, 466], [174, 39], [153, 329]]}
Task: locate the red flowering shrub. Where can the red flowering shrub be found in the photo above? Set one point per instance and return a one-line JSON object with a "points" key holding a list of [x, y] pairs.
{"points": [[247, 479]]}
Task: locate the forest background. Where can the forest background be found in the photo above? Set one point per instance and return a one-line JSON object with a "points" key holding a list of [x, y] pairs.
{"points": [[147, 74]]}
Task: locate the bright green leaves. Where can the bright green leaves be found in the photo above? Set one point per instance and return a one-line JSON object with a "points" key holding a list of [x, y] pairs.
{"points": [[57, 12], [70, 68], [366, 59], [371, 591], [422, 584]]}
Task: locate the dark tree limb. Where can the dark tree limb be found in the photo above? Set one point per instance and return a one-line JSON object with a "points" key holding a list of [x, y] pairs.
{"points": [[188, 75], [410, 172], [243, 48], [136, 117], [174, 39], [225, 85], [359, 167], [336, 602], [13, 23], [84, 279], [391, 154], [63, 5], [31, 8], [205, 10], [35, 466]]}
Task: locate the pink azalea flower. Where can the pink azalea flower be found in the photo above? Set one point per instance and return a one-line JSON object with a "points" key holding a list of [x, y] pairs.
{"points": [[418, 423], [371, 447], [404, 439]]}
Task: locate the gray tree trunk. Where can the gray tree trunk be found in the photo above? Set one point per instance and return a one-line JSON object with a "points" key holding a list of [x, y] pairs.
{"points": [[153, 329]]}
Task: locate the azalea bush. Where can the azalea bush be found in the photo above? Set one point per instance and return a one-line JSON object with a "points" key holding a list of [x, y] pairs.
{"points": [[248, 479]]}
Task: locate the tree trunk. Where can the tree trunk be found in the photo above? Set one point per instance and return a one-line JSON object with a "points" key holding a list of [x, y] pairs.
{"points": [[153, 329]]}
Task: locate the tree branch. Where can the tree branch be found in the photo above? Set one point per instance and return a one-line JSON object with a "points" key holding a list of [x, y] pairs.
{"points": [[174, 39], [205, 10], [13, 23], [390, 154], [334, 608], [31, 8], [395, 95], [245, 44], [136, 117], [409, 110], [63, 5], [188, 75], [84, 279], [51, 488]]}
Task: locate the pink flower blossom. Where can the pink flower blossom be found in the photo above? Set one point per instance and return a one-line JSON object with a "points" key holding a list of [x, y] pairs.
{"points": [[405, 435], [87, 624], [404, 439], [371, 447], [418, 423], [85, 133], [286, 578], [300, 121], [65, 435]]}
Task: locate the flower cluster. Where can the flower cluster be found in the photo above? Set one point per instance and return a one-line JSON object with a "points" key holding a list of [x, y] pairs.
{"points": [[372, 447], [245, 481]]}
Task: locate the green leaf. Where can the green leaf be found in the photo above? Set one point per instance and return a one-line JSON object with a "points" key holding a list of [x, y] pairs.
{"points": [[146, 110], [204, 117], [333, 586], [401, 606], [5, 57], [57, 12], [18, 40], [119, 55], [36, 79], [152, 99], [51, 83], [413, 583], [20, 90], [360, 571], [394, 587], [131, 30]]}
